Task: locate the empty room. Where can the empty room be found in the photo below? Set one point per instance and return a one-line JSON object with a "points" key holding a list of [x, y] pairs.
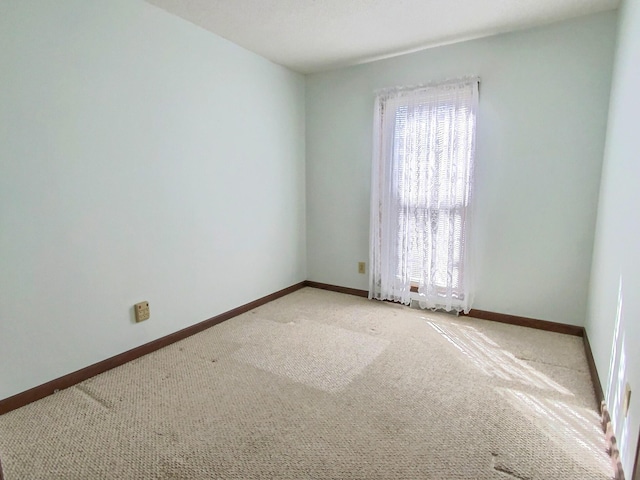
{"points": [[249, 239]]}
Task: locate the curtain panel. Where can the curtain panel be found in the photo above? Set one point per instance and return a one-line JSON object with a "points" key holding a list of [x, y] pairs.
{"points": [[421, 186]]}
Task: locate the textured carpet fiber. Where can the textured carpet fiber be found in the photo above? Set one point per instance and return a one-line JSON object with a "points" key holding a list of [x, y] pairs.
{"points": [[320, 385]]}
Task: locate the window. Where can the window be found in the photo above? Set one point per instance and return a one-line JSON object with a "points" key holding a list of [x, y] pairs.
{"points": [[422, 172]]}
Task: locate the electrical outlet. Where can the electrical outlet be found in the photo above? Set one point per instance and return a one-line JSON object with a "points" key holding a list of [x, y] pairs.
{"points": [[361, 267], [142, 311], [627, 399]]}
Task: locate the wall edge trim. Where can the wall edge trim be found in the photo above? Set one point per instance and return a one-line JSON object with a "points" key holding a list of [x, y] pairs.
{"points": [[481, 314], [335, 288], [66, 381], [526, 322], [593, 371], [36, 393]]}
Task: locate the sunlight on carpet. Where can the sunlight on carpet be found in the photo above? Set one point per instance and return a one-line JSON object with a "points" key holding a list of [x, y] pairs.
{"points": [[493, 360], [572, 428]]}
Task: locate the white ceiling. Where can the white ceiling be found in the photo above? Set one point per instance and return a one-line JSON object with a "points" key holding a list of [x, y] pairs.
{"points": [[314, 35]]}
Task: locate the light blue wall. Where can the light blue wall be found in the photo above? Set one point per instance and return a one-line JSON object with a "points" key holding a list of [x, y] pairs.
{"points": [[614, 301], [541, 126], [141, 158]]}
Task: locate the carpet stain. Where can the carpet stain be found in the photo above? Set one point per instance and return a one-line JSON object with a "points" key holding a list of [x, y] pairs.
{"points": [[542, 362], [92, 396], [505, 471]]}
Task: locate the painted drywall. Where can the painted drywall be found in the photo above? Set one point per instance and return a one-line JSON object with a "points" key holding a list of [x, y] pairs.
{"points": [[614, 304], [142, 158], [540, 138]]}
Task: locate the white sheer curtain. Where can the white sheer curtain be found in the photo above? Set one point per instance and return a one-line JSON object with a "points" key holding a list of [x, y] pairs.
{"points": [[424, 143]]}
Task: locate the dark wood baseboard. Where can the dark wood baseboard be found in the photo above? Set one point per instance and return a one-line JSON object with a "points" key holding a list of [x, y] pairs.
{"points": [[336, 288], [635, 475], [526, 322], [595, 378], [41, 391], [73, 378], [482, 314]]}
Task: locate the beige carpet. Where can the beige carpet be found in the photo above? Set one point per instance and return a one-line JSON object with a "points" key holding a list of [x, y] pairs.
{"points": [[320, 385]]}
